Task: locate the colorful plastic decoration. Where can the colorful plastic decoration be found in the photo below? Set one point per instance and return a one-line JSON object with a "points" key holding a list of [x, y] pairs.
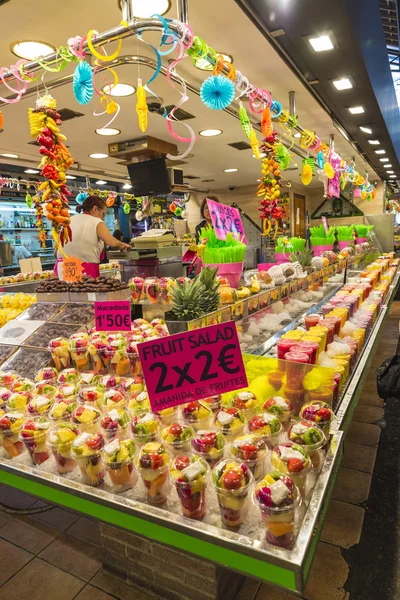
{"points": [[329, 172], [178, 211], [28, 200], [266, 122], [255, 144], [82, 83], [320, 160], [172, 207], [127, 208], [81, 197], [283, 157], [306, 173], [245, 121], [217, 92], [1, 120], [141, 106], [110, 201]]}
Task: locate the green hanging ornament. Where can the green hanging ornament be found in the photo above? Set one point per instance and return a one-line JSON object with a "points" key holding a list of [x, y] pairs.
{"points": [[28, 200], [245, 121], [127, 208], [309, 161], [283, 157], [342, 182], [178, 211]]}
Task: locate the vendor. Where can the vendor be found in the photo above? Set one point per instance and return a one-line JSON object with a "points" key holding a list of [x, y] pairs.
{"points": [[89, 236], [19, 253], [205, 215]]}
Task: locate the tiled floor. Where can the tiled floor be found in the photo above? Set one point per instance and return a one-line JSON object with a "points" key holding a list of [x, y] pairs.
{"points": [[55, 555]]}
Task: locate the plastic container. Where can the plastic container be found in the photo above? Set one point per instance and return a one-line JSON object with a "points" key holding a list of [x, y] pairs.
{"points": [[275, 378], [292, 460], [119, 456], [295, 397], [277, 498], [310, 348], [86, 449], [62, 410], [268, 427], [10, 427], [34, 435], [295, 369], [197, 415], [251, 450], [210, 445], [231, 271], [319, 250], [115, 424], [311, 321], [60, 440], [308, 435], [177, 437], [232, 481], [230, 422], [59, 348], [284, 345], [188, 474], [144, 428], [281, 258], [282, 408], [87, 418], [153, 466]]}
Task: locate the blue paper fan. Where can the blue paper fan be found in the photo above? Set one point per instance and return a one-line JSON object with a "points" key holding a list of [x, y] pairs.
{"points": [[217, 92], [81, 197], [82, 83]]}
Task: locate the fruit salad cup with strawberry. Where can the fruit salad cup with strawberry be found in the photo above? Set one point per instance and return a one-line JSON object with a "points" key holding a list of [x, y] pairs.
{"points": [[139, 403], [5, 395], [89, 378], [70, 376], [59, 349], [46, 388], [132, 354], [86, 450], [246, 401], [213, 402], [62, 409], [319, 413], [10, 427], [197, 415], [98, 353], [23, 385], [48, 374], [115, 423], [308, 435], [166, 285], [113, 398], [66, 390], [231, 480], [90, 394], [177, 437], [87, 418], [7, 378], [19, 401], [144, 428], [61, 438], [39, 405], [292, 459], [280, 407], [79, 350], [209, 444], [34, 435], [268, 426], [152, 463], [109, 382], [251, 450], [167, 415], [230, 422], [188, 474], [118, 360], [277, 498], [118, 456], [151, 290], [132, 385], [136, 285]]}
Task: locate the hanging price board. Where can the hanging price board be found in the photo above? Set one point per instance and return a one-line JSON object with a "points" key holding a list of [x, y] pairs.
{"points": [[113, 315], [192, 365], [226, 219], [72, 269]]}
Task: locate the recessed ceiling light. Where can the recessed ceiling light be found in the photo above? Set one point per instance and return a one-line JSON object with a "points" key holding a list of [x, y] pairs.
{"points": [[390, 171], [230, 170], [9, 155], [393, 176], [322, 43], [31, 171], [387, 166], [144, 9], [101, 182], [356, 110], [108, 131], [98, 155], [297, 135], [29, 49], [70, 177], [380, 151], [342, 84], [374, 142], [126, 186], [262, 155], [366, 130], [383, 159], [119, 90], [210, 132]]}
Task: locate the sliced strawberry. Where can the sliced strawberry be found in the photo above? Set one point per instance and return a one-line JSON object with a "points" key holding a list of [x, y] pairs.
{"points": [[295, 465], [232, 480], [175, 429], [324, 414], [181, 462]]}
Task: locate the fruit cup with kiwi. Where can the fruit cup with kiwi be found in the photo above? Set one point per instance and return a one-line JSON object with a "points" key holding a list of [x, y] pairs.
{"points": [[188, 474], [133, 357], [136, 285], [19, 401], [62, 409], [139, 403], [214, 402], [230, 422], [152, 463], [251, 450], [280, 407], [34, 435], [115, 423], [177, 437], [277, 498], [61, 438], [10, 427], [231, 480], [108, 382], [86, 417], [48, 374], [319, 413], [46, 388], [308, 435], [292, 459], [23, 385], [197, 414], [113, 398], [144, 428], [59, 349], [7, 378], [118, 456], [86, 450], [246, 401], [39, 405], [119, 363], [268, 426], [79, 350], [89, 378], [132, 385], [209, 444], [151, 290], [98, 353], [70, 376], [90, 394], [167, 415]]}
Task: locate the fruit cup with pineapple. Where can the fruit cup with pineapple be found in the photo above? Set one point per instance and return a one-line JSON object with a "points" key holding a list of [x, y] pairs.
{"points": [[34, 435], [268, 426], [119, 362], [70, 376], [136, 285], [62, 409], [39, 405], [79, 350], [139, 403], [19, 401], [118, 456], [292, 459], [61, 438], [167, 415], [59, 349], [10, 427], [132, 385], [86, 417], [5, 394], [89, 378], [251, 450], [46, 388], [197, 414], [113, 398], [47, 374], [86, 450], [66, 390], [166, 285], [231, 481], [177, 437], [280, 407], [152, 463], [246, 401], [214, 402], [108, 382], [98, 352], [115, 423], [134, 360], [277, 498], [188, 474], [90, 394], [319, 413], [209, 444], [7, 378], [159, 325], [144, 428], [230, 422], [151, 290], [23, 385], [308, 435]]}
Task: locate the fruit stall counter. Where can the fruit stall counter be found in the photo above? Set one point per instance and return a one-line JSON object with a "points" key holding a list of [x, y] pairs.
{"points": [[278, 550]]}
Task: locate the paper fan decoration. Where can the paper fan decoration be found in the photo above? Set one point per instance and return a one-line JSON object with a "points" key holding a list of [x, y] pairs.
{"points": [[126, 208], [320, 160], [81, 197], [329, 172], [306, 173], [82, 83], [217, 92], [245, 121]]}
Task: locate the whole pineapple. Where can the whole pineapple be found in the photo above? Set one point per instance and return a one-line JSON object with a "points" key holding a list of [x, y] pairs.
{"points": [[304, 257], [210, 297], [186, 300]]}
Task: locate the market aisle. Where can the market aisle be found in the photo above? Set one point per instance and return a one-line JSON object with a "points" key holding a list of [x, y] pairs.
{"points": [[56, 554]]}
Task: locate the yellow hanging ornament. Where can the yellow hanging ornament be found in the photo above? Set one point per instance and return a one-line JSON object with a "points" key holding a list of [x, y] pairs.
{"points": [[306, 174], [255, 144], [329, 172], [141, 106]]}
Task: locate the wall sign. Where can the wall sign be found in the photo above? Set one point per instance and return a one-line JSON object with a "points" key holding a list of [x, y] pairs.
{"points": [[113, 315], [72, 269], [226, 219], [192, 365]]}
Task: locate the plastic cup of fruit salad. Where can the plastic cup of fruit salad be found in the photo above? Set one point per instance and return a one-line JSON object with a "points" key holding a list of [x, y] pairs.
{"points": [[144, 428], [86, 449], [152, 463], [34, 435], [292, 459], [210, 445], [177, 437], [118, 456], [188, 474], [231, 481], [61, 438], [115, 423], [230, 422], [251, 450], [87, 418], [10, 427]]}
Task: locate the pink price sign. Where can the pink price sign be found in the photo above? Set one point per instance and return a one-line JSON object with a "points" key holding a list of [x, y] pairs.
{"points": [[113, 315], [192, 365], [226, 219]]}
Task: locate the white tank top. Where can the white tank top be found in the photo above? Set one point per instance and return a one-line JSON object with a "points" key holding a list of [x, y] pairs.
{"points": [[85, 244]]}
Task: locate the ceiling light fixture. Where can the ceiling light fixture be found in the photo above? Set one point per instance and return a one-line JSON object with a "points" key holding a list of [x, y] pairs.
{"points": [[342, 84], [210, 132], [380, 151], [108, 131], [387, 166], [356, 110], [31, 171], [322, 43], [144, 9], [393, 176], [101, 182], [262, 155], [383, 159], [230, 170], [70, 177], [366, 130], [390, 171], [126, 186], [119, 90], [29, 49], [374, 142], [98, 155], [9, 155]]}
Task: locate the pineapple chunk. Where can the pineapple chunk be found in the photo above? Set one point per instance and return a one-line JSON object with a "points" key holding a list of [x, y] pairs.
{"points": [[122, 455], [65, 435], [88, 416]]}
